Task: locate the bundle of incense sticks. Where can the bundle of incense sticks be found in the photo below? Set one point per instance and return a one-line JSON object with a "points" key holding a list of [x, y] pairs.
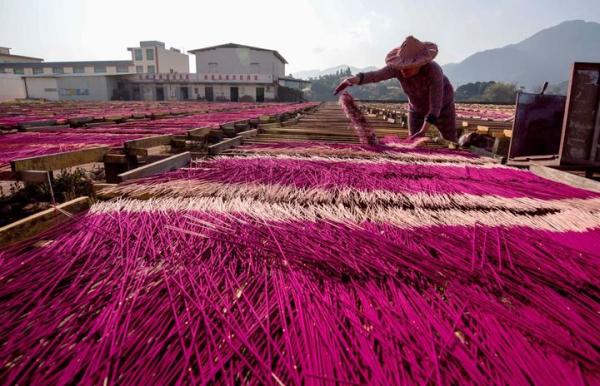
{"points": [[365, 132], [404, 266]]}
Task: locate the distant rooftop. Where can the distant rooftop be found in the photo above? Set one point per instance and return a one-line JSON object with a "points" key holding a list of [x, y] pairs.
{"points": [[5, 51], [235, 45], [67, 64], [152, 43]]}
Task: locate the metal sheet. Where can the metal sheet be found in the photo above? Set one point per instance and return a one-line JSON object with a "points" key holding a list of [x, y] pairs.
{"points": [[537, 126]]}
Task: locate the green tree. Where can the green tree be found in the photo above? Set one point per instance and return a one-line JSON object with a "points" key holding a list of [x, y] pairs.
{"points": [[500, 93], [471, 92]]}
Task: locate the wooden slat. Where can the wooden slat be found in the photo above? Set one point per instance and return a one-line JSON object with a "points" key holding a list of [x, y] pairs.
{"points": [[248, 133], [199, 132], [565, 178], [115, 158], [226, 144], [47, 122], [39, 222], [51, 128], [164, 165], [60, 160], [99, 124], [269, 125], [80, 120], [34, 176], [98, 186], [144, 143]]}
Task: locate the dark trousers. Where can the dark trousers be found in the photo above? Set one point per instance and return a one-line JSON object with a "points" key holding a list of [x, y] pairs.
{"points": [[446, 122]]}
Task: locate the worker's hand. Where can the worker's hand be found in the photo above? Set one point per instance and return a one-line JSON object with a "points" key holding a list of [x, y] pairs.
{"points": [[345, 84], [420, 133]]}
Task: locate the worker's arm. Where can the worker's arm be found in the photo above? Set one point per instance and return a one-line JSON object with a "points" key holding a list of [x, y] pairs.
{"points": [[384, 73]]}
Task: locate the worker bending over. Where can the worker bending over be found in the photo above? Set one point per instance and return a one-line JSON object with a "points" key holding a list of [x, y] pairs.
{"points": [[430, 94]]}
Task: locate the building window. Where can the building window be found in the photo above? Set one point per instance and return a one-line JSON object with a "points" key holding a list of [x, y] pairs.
{"points": [[99, 69], [38, 70], [233, 76], [138, 54], [151, 69], [139, 69], [49, 90], [212, 77], [19, 71], [220, 77], [205, 77], [248, 77], [255, 77], [195, 90], [213, 67], [150, 53], [78, 70], [122, 68], [58, 70]]}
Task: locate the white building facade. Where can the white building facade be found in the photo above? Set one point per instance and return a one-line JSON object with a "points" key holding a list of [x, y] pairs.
{"points": [[235, 72], [152, 57], [60, 68], [228, 72]]}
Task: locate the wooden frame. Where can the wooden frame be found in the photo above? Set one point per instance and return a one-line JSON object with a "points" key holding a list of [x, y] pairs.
{"points": [[39, 222], [224, 145], [61, 160], [580, 126], [164, 165]]}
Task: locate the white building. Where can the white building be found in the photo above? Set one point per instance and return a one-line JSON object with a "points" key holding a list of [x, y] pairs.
{"points": [[59, 68], [152, 57], [81, 87], [238, 72], [228, 72]]}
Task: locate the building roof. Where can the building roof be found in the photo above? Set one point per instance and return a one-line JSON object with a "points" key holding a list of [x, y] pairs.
{"points": [[151, 43], [20, 56], [235, 45], [67, 64]]}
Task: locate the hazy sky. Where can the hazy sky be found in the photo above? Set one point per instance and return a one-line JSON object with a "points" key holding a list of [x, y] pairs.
{"points": [[310, 34]]}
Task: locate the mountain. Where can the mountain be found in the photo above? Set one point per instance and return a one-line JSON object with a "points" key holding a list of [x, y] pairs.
{"points": [[316, 73], [545, 56]]}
